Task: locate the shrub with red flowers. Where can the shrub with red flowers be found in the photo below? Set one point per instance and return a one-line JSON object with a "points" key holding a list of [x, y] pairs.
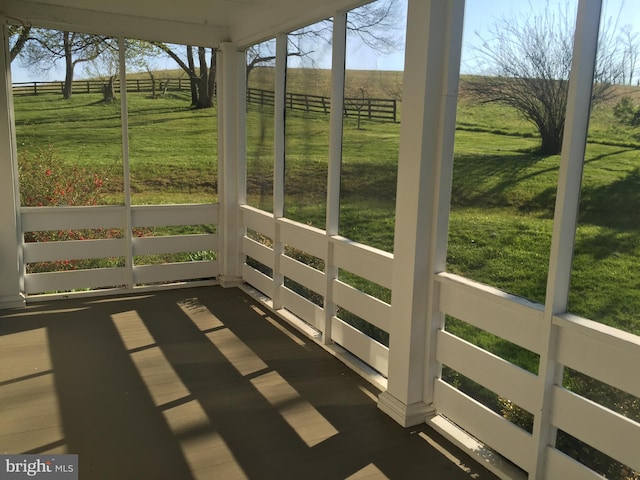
{"points": [[46, 181]]}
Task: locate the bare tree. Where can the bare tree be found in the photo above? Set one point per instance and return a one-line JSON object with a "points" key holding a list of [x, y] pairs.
{"points": [[357, 101], [375, 24], [525, 64], [630, 53]]}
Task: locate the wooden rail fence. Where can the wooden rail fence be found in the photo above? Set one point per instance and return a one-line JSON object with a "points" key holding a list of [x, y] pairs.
{"points": [[384, 109], [96, 86], [381, 109]]}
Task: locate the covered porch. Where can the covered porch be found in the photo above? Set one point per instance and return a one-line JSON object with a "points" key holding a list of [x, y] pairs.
{"points": [[200, 380]]}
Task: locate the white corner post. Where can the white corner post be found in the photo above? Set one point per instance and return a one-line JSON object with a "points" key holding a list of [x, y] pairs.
{"points": [[565, 221], [278, 167], [126, 165], [339, 44], [432, 65], [10, 243], [231, 85]]}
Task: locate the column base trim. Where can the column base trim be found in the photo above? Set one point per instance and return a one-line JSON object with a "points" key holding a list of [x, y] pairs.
{"points": [[229, 282], [405, 415], [17, 301]]}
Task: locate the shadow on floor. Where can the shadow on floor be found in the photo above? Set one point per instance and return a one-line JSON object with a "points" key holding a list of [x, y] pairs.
{"points": [[197, 383]]}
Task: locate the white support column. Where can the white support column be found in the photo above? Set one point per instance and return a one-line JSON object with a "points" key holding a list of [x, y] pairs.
{"points": [[241, 65], [10, 235], [566, 217], [126, 166], [279, 157], [432, 61], [339, 44], [231, 86]]}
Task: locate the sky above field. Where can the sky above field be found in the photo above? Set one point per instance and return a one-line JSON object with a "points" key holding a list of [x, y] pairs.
{"points": [[480, 15]]}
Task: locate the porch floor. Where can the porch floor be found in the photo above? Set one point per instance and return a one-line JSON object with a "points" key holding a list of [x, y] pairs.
{"points": [[198, 383]]}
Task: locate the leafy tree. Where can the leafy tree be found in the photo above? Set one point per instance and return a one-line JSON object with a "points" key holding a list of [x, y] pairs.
{"points": [[46, 47], [527, 61], [18, 37], [626, 112], [107, 65]]}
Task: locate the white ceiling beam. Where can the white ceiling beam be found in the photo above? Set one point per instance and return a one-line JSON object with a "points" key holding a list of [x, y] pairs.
{"points": [[260, 25], [113, 24]]}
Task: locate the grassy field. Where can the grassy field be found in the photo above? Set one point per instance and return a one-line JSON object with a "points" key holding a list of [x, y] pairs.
{"points": [[172, 147], [502, 198]]}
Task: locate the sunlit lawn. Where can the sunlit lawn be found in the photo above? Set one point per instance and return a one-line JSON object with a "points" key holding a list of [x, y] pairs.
{"points": [[503, 193]]}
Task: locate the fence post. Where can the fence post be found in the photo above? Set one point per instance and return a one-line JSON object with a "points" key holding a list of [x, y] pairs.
{"points": [[35, 88], [394, 109], [369, 107]]}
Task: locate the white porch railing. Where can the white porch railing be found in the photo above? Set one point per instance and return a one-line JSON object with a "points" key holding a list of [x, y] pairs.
{"points": [[126, 247], [601, 352], [366, 262]]}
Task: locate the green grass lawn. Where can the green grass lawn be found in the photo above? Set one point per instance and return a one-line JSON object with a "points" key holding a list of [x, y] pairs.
{"points": [[503, 193], [172, 147]]}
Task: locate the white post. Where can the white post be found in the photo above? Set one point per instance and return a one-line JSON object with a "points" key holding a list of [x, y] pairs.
{"points": [[335, 161], [10, 234], [432, 64], [279, 157], [565, 217], [126, 165], [231, 86]]}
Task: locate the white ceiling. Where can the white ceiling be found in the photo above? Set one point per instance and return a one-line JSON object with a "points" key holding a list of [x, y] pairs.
{"points": [[196, 22]]}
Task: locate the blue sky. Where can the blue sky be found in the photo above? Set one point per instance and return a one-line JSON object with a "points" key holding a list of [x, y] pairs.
{"points": [[479, 16]]}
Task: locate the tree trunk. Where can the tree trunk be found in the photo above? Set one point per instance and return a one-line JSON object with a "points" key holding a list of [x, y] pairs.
{"points": [[212, 75], [551, 143], [108, 91], [153, 83], [204, 97], [69, 65], [192, 79]]}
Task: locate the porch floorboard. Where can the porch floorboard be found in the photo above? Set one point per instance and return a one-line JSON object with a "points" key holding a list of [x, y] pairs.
{"points": [[198, 383]]}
